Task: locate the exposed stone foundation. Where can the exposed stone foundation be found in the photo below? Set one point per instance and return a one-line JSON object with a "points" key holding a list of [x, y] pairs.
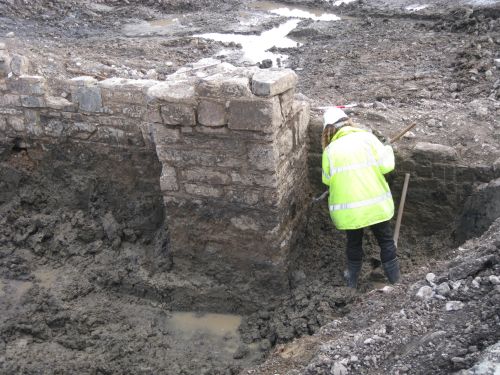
{"points": [[231, 143]]}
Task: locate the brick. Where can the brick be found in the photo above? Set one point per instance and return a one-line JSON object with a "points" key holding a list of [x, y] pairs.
{"points": [[212, 113], [203, 190], [270, 82], [257, 115], [178, 114], [206, 175], [168, 179]]}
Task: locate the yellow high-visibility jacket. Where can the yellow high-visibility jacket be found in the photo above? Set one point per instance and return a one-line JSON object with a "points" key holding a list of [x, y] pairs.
{"points": [[354, 164]]}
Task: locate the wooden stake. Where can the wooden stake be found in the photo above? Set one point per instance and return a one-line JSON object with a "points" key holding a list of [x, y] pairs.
{"points": [[400, 209]]}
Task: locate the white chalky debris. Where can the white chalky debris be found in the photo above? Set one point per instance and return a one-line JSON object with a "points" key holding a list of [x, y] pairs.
{"points": [[476, 282], [456, 284], [387, 289], [430, 277], [425, 292], [454, 305], [494, 280], [339, 369]]}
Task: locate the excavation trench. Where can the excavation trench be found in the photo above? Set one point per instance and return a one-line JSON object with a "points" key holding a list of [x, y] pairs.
{"points": [[87, 275], [167, 226]]}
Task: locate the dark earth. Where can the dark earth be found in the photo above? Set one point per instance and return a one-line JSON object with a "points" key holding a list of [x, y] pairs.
{"points": [[86, 284]]}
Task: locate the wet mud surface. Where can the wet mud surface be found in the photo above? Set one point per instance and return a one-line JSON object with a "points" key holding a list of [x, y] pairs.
{"points": [[85, 279]]}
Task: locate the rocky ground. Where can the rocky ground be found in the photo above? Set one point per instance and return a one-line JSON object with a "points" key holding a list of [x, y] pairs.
{"points": [[63, 296]]}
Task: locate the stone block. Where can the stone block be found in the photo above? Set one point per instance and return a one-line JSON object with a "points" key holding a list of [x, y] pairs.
{"points": [[54, 127], [32, 122], [260, 178], [83, 81], [434, 152], [152, 114], [173, 91], [178, 114], [28, 85], [19, 65], [263, 157], [301, 109], [204, 190], [10, 100], [16, 123], [285, 142], [286, 101], [257, 197], [88, 98], [4, 63], [257, 115], [270, 82], [245, 223], [117, 84], [122, 96], [30, 101], [82, 130], [168, 179], [3, 124], [212, 113], [59, 103], [206, 175], [164, 135], [224, 87]]}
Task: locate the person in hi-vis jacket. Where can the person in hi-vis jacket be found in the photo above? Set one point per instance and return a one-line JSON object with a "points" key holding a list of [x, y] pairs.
{"points": [[354, 163]]}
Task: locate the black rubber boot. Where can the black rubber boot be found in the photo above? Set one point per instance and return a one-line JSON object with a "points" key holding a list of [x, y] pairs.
{"points": [[351, 274], [391, 270]]}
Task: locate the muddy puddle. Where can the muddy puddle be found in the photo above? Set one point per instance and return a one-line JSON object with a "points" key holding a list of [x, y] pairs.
{"points": [[294, 11], [159, 27], [256, 48]]}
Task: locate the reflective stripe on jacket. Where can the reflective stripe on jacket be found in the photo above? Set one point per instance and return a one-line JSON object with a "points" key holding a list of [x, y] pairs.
{"points": [[354, 164]]}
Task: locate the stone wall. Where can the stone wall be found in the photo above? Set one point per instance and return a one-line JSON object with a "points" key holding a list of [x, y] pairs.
{"points": [[231, 143]]}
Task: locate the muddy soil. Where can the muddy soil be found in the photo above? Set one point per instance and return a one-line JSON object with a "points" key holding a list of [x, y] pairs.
{"points": [[80, 277]]}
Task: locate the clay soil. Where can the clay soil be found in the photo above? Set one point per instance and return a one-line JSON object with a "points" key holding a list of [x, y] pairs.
{"points": [[79, 288]]}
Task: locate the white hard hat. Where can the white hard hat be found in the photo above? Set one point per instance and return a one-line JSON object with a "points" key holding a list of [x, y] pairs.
{"points": [[332, 116]]}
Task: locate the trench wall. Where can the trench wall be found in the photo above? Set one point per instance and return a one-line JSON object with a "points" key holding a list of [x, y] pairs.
{"points": [[440, 184], [231, 143]]}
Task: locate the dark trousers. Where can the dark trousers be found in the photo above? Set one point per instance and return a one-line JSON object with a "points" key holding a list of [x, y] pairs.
{"points": [[383, 234]]}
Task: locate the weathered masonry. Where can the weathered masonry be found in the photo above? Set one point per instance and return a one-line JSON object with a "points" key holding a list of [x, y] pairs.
{"points": [[232, 146]]}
